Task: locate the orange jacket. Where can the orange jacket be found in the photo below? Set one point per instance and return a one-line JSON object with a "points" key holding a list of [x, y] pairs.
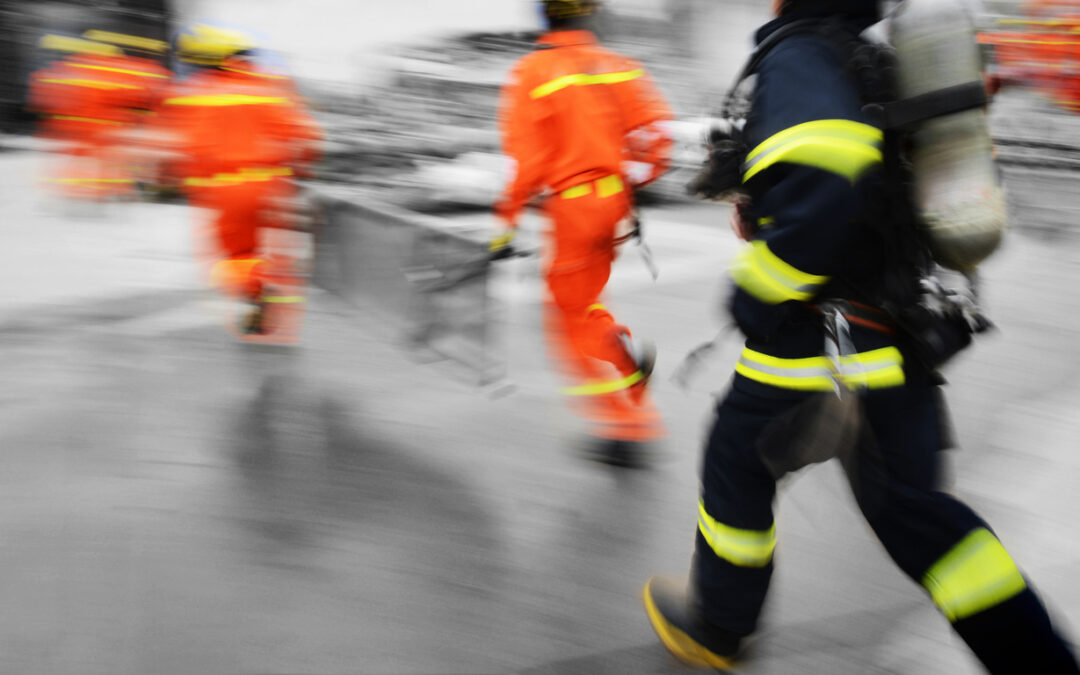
{"points": [[83, 95], [228, 123], [566, 114]]}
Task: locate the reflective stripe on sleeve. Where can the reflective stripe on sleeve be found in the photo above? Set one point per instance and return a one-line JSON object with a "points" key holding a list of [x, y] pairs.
{"points": [[600, 388], [876, 369], [125, 71], [83, 82], [973, 576], [227, 100], [842, 147], [745, 548], [583, 79], [764, 275]]}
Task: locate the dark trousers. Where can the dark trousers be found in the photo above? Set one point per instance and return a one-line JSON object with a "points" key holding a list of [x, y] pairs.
{"points": [[894, 475]]}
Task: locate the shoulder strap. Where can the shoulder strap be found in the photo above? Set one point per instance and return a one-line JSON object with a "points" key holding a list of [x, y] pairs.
{"points": [[762, 50]]}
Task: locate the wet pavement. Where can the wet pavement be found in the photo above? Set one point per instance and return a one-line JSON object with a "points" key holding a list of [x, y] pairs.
{"points": [[174, 502]]}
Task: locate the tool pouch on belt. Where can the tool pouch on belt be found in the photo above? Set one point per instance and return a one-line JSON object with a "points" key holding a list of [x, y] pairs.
{"points": [[824, 424]]}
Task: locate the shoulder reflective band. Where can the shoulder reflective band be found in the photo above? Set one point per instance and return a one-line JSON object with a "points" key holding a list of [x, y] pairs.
{"points": [[842, 147], [601, 388], [90, 120], [745, 548], [974, 575], [762, 274], [283, 299], [583, 79], [877, 369], [227, 100], [92, 84], [125, 71]]}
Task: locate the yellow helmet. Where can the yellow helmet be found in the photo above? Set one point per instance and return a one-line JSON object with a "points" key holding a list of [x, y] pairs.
{"points": [[65, 43], [209, 45], [569, 9], [134, 42]]}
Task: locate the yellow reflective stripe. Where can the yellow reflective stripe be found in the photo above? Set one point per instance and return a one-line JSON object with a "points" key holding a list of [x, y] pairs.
{"points": [[759, 272], [74, 118], [745, 548], [605, 187], [91, 180], [875, 369], [974, 575], [227, 100], [582, 79], [1024, 41], [83, 82], [767, 220], [252, 175], [283, 299], [823, 381], [595, 307], [839, 146], [600, 388], [608, 185], [125, 71], [576, 191], [267, 171]]}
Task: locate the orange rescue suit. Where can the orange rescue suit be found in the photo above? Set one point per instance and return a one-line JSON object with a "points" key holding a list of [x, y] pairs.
{"points": [[88, 101], [241, 135], [572, 115]]}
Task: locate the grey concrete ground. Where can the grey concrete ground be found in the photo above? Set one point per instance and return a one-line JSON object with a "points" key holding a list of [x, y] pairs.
{"points": [[171, 502]]}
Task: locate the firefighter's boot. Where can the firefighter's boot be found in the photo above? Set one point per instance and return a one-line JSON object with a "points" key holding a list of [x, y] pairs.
{"points": [[255, 319], [619, 453], [682, 629]]}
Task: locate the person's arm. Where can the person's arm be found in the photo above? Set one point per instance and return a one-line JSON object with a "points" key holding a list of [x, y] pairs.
{"points": [[522, 121], [648, 142]]}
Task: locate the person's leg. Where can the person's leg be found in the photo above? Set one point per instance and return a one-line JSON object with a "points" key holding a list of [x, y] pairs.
{"points": [[580, 269], [735, 540], [592, 347], [941, 543]]}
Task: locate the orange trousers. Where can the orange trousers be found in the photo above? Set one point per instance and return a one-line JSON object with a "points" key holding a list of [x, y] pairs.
{"points": [[582, 333], [241, 210]]}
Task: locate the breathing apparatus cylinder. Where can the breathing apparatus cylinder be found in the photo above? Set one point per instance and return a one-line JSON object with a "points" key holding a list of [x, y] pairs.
{"points": [[956, 190]]}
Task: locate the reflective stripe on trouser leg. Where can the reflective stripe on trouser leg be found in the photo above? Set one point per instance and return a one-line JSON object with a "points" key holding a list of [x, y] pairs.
{"points": [[744, 548], [973, 576]]}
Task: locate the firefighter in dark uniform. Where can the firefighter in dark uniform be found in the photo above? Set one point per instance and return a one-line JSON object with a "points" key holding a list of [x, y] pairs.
{"points": [[815, 169]]}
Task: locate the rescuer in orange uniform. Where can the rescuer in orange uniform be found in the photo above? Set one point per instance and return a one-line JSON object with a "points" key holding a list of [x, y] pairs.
{"points": [[87, 99], [242, 134], [572, 116]]}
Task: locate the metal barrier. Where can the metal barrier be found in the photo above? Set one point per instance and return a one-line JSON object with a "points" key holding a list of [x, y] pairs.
{"points": [[424, 275]]}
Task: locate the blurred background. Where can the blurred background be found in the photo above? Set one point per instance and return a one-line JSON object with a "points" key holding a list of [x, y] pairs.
{"points": [[399, 492]]}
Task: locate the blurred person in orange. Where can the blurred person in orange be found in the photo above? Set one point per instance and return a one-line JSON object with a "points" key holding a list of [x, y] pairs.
{"points": [[241, 135], [574, 116], [87, 100]]}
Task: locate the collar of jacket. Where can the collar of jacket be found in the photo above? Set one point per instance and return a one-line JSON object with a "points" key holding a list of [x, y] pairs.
{"points": [[856, 16], [566, 38]]}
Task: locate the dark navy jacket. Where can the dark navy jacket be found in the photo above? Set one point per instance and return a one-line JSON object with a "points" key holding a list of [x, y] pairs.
{"points": [[813, 168]]}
